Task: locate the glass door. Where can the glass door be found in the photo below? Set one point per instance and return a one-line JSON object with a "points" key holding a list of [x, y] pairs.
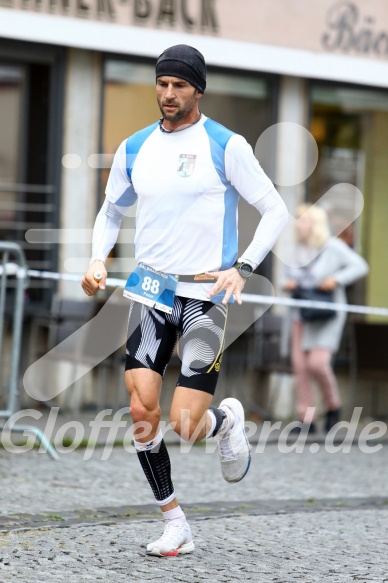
{"points": [[27, 195], [350, 125], [12, 91]]}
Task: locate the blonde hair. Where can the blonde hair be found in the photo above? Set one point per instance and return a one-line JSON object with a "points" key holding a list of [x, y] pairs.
{"points": [[320, 230]]}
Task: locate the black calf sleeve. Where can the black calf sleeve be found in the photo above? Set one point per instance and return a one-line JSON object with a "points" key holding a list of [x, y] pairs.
{"points": [[157, 469]]}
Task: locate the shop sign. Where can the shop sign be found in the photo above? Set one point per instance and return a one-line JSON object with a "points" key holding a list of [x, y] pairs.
{"points": [[347, 27], [197, 16], [350, 31]]}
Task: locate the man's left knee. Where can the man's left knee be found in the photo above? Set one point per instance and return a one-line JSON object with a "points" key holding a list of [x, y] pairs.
{"points": [[189, 428]]}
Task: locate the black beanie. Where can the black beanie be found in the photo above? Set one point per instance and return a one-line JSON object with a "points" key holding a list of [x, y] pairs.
{"points": [[184, 62]]}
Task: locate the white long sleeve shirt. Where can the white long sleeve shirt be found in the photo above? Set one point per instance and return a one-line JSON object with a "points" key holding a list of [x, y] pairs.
{"points": [[186, 185]]}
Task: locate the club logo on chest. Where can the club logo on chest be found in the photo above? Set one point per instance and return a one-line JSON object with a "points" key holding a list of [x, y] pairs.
{"points": [[186, 165]]}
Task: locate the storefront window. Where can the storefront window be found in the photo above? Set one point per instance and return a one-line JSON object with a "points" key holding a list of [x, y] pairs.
{"points": [[27, 161], [12, 87], [350, 126], [243, 103], [11, 91]]}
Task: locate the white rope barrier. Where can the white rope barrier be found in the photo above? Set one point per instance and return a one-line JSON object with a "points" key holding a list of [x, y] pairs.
{"points": [[247, 298], [350, 308], [110, 281]]}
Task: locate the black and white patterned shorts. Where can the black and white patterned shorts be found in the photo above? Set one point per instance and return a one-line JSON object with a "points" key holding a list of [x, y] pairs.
{"points": [[198, 327]]}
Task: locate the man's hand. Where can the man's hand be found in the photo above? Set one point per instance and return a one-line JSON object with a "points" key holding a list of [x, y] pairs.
{"points": [[290, 285], [230, 281], [89, 284], [328, 284]]}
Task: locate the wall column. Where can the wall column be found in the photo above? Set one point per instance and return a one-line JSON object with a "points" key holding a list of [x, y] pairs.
{"points": [[79, 183], [290, 153], [293, 107]]}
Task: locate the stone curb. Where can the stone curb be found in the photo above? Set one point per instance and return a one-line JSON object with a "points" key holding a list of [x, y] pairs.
{"points": [[214, 510]]}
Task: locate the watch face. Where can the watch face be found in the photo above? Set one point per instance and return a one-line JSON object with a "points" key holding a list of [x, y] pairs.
{"points": [[246, 269]]}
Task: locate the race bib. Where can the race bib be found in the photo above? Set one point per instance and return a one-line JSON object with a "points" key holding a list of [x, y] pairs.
{"points": [[152, 288]]}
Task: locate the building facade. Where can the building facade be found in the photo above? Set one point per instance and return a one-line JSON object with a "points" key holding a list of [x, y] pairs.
{"points": [[77, 77]]}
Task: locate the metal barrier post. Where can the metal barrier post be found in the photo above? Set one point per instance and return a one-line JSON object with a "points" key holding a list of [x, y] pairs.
{"points": [[18, 267]]}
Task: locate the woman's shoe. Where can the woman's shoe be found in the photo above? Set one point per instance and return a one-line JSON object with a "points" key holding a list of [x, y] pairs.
{"points": [[304, 428], [332, 418]]}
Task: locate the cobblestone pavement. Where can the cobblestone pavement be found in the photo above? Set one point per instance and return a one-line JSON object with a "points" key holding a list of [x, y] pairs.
{"points": [[296, 517], [34, 483], [336, 546]]}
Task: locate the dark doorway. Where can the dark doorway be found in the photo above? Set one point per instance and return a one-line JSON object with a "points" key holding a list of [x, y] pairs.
{"points": [[30, 117]]}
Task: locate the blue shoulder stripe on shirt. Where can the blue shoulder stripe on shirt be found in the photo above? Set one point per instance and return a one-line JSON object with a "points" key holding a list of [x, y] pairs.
{"points": [[220, 134], [219, 137], [133, 145]]}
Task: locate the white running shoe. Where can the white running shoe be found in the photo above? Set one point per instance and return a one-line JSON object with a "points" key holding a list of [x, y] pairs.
{"points": [[233, 446], [175, 540]]}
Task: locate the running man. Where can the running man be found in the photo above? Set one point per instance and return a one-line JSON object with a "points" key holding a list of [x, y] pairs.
{"points": [[186, 173]]}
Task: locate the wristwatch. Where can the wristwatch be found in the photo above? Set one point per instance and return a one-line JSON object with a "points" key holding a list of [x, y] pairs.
{"points": [[244, 269]]}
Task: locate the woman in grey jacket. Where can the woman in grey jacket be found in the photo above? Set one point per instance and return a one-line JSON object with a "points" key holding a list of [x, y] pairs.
{"points": [[326, 263]]}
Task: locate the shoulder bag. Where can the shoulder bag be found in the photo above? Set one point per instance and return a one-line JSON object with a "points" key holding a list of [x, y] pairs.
{"points": [[314, 294]]}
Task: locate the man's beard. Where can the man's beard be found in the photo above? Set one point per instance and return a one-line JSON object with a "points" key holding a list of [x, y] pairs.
{"points": [[180, 113]]}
